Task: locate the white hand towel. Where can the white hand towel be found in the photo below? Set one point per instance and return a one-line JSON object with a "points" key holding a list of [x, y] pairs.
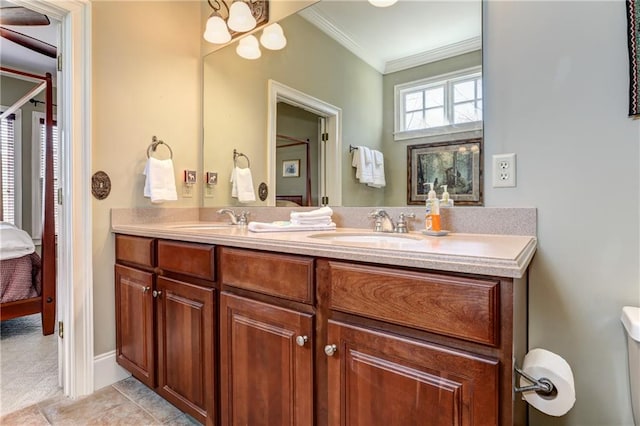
{"points": [[242, 183], [160, 183], [320, 220], [364, 170], [285, 226], [378, 180], [14, 242], [322, 211]]}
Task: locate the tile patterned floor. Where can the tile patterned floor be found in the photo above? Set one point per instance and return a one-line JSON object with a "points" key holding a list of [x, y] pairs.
{"points": [[127, 402]]}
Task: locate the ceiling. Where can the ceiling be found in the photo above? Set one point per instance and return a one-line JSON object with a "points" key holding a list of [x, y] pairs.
{"points": [[406, 34], [15, 56]]}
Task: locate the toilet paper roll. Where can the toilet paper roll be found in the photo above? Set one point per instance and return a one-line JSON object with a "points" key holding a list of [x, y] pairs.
{"points": [[541, 363]]}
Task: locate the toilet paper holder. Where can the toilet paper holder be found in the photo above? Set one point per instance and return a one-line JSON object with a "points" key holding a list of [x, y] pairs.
{"points": [[542, 385]]}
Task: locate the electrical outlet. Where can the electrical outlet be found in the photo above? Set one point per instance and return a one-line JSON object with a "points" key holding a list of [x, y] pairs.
{"points": [[504, 170], [187, 190], [208, 191]]}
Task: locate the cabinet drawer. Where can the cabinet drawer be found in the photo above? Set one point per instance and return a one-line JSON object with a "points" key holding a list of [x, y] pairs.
{"points": [[460, 307], [138, 250], [192, 259], [290, 277]]}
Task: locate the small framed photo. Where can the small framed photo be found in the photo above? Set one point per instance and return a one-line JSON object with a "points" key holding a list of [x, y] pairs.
{"points": [[457, 164], [291, 168]]}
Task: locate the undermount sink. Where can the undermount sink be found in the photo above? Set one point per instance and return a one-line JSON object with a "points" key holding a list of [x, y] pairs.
{"points": [[366, 237], [202, 226]]}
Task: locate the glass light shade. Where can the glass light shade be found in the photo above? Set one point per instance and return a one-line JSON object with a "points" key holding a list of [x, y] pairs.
{"points": [[240, 17], [273, 37], [216, 30], [382, 3], [248, 48]]}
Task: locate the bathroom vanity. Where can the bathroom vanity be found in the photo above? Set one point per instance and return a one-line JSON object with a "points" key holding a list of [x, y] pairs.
{"points": [[238, 328]]}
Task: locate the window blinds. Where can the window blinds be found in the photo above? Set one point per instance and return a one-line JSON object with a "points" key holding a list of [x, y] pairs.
{"points": [[7, 154]]}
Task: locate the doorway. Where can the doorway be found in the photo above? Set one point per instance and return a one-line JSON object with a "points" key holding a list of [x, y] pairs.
{"points": [[329, 141]]}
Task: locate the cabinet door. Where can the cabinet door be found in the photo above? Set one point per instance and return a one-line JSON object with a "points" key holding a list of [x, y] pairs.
{"points": [[134, 323], [266, 364], [186, 333], [382, 379]]}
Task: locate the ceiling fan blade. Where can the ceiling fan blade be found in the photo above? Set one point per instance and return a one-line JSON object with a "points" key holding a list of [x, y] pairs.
{"points": [[18, 15], [29, 42]]}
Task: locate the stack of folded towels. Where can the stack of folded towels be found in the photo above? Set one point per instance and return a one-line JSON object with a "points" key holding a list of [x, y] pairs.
{"points": [[314, 220]]}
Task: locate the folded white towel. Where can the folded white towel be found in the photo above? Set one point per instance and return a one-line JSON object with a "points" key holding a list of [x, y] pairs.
{"points": [[320, 220], [378, 180], [322, 211], [242, 185], [364, 169], [160, 182], [286, 226], [14, 242]]}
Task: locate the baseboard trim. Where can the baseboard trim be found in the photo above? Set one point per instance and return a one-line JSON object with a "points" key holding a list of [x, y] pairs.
{"points": [[106, 371]]}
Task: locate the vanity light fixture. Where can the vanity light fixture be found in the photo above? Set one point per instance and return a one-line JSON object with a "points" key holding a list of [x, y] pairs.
{"points": [[382, 3], [241, 17], [248, 48], [273, 37]]}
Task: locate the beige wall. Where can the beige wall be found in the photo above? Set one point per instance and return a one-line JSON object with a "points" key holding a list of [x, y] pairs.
{"points": [[557, 96], [146, 82], [235, 104], [396, 151]]}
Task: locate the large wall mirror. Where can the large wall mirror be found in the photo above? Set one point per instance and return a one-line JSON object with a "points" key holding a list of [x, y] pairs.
{"points": [[338, 74]]}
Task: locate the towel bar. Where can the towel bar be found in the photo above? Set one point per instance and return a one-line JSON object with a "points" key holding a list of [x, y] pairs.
{"points": [[352, 148], [154, 145], [237, 154]]}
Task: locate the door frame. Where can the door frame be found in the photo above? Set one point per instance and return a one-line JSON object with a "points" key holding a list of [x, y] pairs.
{"points": [[279, 92], [74, 271]]}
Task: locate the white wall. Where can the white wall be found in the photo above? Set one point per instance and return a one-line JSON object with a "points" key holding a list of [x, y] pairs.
{"points": [[556, 84], [146, 82]]}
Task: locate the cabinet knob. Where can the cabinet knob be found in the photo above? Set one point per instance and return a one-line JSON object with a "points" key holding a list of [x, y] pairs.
{"points": [[301, 340], [156, 293], [146, 289], [330, 350]]}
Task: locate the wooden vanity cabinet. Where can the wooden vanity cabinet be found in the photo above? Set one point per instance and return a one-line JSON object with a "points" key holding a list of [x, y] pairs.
{"points": [[266, 344], [135, 325], [165, 320], [410, 347]]}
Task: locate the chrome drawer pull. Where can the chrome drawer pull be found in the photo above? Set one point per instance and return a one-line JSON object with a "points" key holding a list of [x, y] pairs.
{"points": [[301, 340]]}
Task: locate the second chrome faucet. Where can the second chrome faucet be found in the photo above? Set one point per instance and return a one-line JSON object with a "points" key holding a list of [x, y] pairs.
{"points": [[236, 218], [384, 222]]}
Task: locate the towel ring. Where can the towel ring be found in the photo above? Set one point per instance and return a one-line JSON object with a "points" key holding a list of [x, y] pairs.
{"points": [[237, 154], [154, 146]]}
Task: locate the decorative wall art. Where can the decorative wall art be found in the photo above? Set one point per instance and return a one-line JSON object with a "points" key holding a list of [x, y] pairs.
{"points": [[633, 27], [291, 168], [457, 164]]}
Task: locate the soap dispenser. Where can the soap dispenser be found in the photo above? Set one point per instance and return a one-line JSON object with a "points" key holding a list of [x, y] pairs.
{"points": [[446, 201], [432, 211]]}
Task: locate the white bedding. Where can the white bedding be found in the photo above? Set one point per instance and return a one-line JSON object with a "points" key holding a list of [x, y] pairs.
{"points": [[14, 242]]}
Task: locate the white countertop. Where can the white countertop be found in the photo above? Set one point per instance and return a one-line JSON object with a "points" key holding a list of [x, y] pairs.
{"points": [[495, 255]]}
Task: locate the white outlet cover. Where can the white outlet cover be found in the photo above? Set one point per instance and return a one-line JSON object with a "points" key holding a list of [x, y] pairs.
{"points": [[504, 170]]}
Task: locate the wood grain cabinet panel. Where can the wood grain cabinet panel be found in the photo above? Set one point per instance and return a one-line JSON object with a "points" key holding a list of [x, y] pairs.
{"points": [[266, 375], [192, 259], [135, 343], [135, 250], [281, 275], [386, 380], [186, 357], [449, 305]]}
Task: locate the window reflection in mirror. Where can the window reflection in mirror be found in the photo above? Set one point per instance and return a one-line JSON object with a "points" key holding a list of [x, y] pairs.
{"points": [[235, 97]]}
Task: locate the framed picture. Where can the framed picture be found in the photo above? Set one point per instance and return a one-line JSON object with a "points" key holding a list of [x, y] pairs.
{"points": [[457, 164], [291, 168]]}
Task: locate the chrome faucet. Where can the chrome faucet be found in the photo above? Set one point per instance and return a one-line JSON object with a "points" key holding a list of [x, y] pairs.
{"points": [[384, 222], [236, 218]]}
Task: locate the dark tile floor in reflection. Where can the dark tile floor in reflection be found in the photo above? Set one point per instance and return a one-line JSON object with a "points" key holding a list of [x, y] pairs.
{"points": [[127, 402]]}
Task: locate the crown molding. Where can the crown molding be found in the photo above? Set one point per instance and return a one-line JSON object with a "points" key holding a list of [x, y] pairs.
{"points": [[325, 25], [438, 54]]}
